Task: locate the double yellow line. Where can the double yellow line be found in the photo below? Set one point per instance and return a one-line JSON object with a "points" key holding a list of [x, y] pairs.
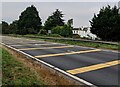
{"points": [[19, 44], [93, 67], [45, 48], [67, 53]]}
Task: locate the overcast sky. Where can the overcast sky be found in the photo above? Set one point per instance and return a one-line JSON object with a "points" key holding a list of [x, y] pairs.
{"points": [[81, 12]]}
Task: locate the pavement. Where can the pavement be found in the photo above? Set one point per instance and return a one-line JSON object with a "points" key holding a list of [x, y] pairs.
{"points": [[97, 66]]}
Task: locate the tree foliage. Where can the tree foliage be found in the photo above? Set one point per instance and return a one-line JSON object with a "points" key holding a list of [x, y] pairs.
{"points": [[5, 28], [42, 31], [54, 20], [70, 22], [0, 28], [106, 24], [14, 27], [65, 30], [29, 21]]}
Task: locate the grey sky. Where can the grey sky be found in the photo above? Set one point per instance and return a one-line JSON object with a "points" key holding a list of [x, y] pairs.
{"points": [[81, 12]]}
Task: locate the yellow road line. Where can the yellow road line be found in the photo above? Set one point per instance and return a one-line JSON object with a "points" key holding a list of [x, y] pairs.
{"points": [[45, 48], [16, 45], [68, 53], [44, 44], [93, 67], [25, 44]]}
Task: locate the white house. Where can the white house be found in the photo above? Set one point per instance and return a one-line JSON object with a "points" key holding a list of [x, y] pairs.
{"points": [[84, 32]]}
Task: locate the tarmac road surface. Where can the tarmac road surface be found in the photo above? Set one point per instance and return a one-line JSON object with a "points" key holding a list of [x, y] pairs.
{"points": [[97, 66]]}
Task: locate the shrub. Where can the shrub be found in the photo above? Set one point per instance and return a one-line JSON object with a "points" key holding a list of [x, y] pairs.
{"points": [[55, 35], [76, 36], [42, 31], [65, 31]]}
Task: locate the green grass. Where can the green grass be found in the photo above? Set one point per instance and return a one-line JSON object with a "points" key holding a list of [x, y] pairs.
{"points": [[0, 67], [82, 43], [87, 44], [15, 73]]}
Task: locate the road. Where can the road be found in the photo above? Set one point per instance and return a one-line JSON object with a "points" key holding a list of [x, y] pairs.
{"points": [[97, 66]]}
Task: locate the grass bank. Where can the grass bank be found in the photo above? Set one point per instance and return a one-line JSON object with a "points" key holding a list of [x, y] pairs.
{"points": [[15, 73], [87, 44], [84, 44], [80, 43]]}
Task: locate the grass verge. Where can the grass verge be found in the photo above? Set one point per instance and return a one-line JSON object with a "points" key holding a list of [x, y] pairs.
{"points": [[87, 44], [42, 73], [80, 43], [84, 44], [15, 73], [0, 67]]}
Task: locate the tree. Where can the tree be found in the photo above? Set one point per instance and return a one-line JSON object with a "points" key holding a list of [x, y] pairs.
{"points": [[5, 28], [14, 27], [43, 31], [54, 20], [0, 28], [106, 24], [70, 22], [65, 30], [29, 21]]}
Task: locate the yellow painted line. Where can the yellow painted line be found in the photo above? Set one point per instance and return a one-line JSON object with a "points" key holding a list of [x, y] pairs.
{"points": [[93, 67], [43, 44], [45, 48], [25, 44], [68, 53], [17, 45]]}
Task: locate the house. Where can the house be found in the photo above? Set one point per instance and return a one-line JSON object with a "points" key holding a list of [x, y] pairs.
{"points": [[84, 32]]}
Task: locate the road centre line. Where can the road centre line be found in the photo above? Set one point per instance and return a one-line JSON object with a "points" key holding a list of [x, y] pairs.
{"points": [[20, 44], [47, 44], [68, 53], [45, 48], [93, 67], [17, 45]]}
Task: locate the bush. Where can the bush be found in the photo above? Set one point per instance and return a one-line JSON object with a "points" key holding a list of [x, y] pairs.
{"points": [[65, 31], [76, 36], [55, 35], [42, 31], [84, 37]]}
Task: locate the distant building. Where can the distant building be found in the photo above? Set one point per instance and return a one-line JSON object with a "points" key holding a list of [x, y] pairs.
{"points": [[84, 32]]}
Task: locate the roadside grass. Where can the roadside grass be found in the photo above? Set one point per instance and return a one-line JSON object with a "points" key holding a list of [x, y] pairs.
{"points": [[16, 74], [84, 44], [80, 43], [87, 44], [0, 66]]}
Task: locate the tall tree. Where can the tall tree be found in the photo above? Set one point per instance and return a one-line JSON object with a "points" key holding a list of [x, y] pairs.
{"points": [[54, 20], [106, 24], [0, 28], [29, 21], [14, 27], [5, 28], [70, 22]]}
